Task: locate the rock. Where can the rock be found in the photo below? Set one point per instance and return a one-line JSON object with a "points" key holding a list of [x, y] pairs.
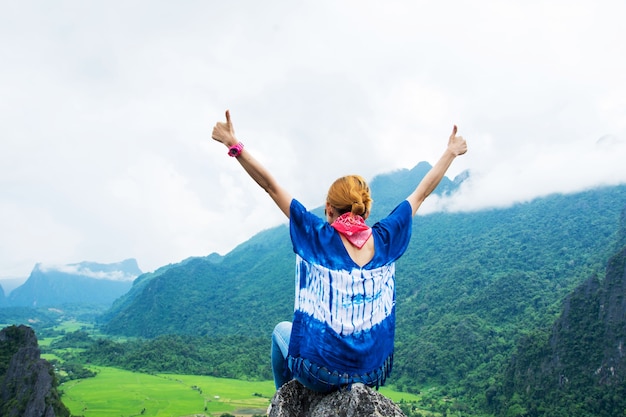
{"points": [[27, 383], [294, 400]]}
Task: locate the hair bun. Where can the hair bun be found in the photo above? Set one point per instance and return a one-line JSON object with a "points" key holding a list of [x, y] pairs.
{"points": [[350, 194], [358, 208]]}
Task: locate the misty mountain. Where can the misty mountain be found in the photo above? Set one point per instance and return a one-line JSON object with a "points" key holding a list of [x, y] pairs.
{"points": [[9, 284], [85, 283]]}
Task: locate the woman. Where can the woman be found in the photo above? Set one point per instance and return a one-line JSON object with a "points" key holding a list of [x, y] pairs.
{"points": [[344, 315]]}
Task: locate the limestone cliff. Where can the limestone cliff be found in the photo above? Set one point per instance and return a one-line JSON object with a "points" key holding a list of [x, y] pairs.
{"points": [[578, 368], [28, 386]]}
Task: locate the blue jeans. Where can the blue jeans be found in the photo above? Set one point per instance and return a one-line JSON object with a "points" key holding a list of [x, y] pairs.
{"points": [[280, 348], [311, 377]]}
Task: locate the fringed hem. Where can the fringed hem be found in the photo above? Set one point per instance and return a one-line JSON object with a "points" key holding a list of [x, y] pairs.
{"points": [[303, 369]]}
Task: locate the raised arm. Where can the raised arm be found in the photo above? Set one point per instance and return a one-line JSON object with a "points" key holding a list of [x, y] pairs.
{"points": [[224, 133], [456, 147]]}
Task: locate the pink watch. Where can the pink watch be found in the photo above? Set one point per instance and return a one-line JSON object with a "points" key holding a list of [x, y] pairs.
{"points": [[235, 150]]}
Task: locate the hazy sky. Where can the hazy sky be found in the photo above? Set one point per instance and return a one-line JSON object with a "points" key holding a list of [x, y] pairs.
{"points": [[106, 111]]}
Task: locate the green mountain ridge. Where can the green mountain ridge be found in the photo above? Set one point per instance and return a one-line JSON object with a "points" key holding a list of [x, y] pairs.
{"points": [[200, 297]]}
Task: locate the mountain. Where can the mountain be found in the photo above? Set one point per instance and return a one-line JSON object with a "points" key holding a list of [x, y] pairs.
{"points": [[468, 288], [9, 284], [28, 385], [2, 297], [211, 296], [391, 188], [143, 280], [85, 283], [578, 368]]}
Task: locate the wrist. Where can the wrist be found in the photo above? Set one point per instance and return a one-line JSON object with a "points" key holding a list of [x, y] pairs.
{"points": [[451, 153], [235, 149]]}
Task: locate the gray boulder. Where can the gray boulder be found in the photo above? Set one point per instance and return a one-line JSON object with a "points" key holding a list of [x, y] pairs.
{"points": [[294, 400]]}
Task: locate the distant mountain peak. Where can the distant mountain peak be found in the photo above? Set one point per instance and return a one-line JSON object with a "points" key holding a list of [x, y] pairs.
{"points": [[80, 283], [126, 270]]}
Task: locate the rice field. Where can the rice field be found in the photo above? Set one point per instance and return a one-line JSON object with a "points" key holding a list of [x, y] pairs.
{"points": [[116, 392]]}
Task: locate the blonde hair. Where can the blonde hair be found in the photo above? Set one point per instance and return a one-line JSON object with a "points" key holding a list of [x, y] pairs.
{"points": [[350, 194]]}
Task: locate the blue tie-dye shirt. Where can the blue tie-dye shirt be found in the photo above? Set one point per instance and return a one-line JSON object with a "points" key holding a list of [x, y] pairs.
{"points": [[344, 314]]}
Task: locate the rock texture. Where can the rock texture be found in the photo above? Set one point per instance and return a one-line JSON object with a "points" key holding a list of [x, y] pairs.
{"points": [[27, 382], [294, 400]]}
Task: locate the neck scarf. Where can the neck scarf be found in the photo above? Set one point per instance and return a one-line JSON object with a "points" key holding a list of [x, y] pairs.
{"points": [[353, 227]]}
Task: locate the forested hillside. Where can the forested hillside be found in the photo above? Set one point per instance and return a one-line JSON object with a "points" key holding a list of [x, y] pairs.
{"points": [[469, 286], [245, 293], [578, 367], [476, 282]]}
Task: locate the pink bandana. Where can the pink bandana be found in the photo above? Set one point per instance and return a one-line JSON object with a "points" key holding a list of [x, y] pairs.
{"points": [[353, 227]]}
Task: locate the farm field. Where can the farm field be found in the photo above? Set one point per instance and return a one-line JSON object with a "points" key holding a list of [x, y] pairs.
{"points": [[116, 392]]}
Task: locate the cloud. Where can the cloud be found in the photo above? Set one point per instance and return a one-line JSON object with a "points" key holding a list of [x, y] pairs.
{"points": [[88, 272], [29, 230], [106, 112], [533, 173]]}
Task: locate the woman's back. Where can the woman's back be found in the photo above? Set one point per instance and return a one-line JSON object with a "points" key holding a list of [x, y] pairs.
{"points": [[344, 311], [361, 256]]}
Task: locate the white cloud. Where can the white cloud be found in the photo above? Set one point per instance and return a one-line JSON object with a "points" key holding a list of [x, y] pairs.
{"points": [[84, 271], [539, 171], [106, 111], [31, 232]]}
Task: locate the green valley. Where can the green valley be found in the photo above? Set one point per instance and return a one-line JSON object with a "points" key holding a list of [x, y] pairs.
{"points": [[118, 392]]}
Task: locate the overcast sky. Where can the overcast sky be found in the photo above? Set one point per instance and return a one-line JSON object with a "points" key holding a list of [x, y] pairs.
{"points": [[106, 111]]}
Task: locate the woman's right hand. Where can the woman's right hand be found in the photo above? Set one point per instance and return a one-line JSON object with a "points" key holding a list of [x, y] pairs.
{"points": [[456, 144], [224, 132]]}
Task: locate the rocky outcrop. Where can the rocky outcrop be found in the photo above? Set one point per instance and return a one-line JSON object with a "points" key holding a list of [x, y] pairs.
{"points": [[588, 339], [294, 400], [27, 382]]}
